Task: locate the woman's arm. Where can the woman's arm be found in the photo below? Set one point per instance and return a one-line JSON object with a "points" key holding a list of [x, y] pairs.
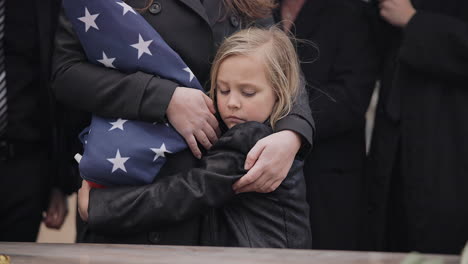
{"points": [[103, 91], [137, 96], [176, 197], [270, 160]]}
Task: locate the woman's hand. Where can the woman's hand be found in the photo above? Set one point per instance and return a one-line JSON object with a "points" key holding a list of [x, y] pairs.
{"points": [[191, 113], [57, 210], [396, 12], [269, 162], [83, 200]]}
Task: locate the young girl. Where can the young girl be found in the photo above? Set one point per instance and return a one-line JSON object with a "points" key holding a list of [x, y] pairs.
{"points": [[254, 80]]}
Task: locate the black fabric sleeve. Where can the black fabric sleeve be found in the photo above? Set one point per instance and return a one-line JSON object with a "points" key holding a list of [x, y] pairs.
{"points": [[178, 197], [436, 44], [300, 120], [102, 91]]}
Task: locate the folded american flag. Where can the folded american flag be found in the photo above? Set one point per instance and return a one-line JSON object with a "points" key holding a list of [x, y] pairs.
{"points": [[113, 35]]}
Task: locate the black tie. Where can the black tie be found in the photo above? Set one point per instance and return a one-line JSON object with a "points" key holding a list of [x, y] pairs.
{"points": [[3, 90]]}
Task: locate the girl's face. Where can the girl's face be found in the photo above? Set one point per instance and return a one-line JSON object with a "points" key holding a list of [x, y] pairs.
{"points": [[243, 92]]}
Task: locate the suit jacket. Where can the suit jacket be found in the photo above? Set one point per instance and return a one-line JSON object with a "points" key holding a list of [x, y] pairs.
{"points": [[417, 161], [341, 73], [47, 17], [193, 30]]}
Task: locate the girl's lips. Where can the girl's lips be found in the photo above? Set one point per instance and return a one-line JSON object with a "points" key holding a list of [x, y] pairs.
{"points": [[234, 119]]}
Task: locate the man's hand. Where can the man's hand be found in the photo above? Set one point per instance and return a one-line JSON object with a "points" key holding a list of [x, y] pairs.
{"points": [[83, 200], [57, 210], [269, 162], [397, 12], [191, 113]]}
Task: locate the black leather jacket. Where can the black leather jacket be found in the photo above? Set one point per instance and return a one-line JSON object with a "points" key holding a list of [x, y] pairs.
{"points": [[197, 206]]}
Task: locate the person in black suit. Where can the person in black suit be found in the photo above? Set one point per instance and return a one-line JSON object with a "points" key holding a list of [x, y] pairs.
{"points": [[30, 181], [194, 29], [341, 74], [417, 160]]}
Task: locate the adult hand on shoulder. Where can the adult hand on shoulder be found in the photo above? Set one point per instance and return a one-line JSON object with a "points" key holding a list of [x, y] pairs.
{"points": [[83, 200], [57, 209], [396, 12], [269, 162], [191, 113]]}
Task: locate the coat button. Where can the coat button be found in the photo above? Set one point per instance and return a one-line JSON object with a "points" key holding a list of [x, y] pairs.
{"points": [[155, 8], [234, 21], [154, 237]]}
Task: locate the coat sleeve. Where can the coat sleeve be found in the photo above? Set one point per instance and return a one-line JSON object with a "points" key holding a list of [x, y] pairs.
{"points": [[105, 92], [340, 103], [178, 197], [436, 44], [300, 120]]}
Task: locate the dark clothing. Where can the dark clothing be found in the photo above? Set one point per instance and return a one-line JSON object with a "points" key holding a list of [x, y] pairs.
{"points": [[177, 205], [194, 31], [28, 152], [417, 164], [341, 78], [187, 27], [24, 193], [25, 122]]}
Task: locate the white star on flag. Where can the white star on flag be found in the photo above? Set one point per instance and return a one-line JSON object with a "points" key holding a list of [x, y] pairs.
{"points": [[107, 61], [142, 46], [89, 20], [126, 8], [160, 151], [118, 162], [118, 124], [190, 72]]}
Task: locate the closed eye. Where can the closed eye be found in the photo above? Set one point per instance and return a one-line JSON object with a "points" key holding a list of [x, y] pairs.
{"points": [[248, 94], [223, 91]]}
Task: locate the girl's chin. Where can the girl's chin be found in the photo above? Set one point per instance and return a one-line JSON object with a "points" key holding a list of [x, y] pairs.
{"points": [[233, 123]]}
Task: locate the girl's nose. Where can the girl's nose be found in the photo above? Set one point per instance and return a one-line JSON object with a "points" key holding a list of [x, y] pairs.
{"points": [[233, 102]]}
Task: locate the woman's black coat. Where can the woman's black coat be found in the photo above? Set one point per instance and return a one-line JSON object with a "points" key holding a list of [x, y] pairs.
{"points": [[419, 153], [340, 80], [197, 206], [194, 31]]}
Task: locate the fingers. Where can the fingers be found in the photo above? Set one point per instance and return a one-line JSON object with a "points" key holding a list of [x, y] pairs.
{"points": [[83, 200], [210, 133], [254, 154], [249, 178], [192, 144], [203, 139], [57, 211], [209, 104], [253, 186], [264, 184], [214, 132]]}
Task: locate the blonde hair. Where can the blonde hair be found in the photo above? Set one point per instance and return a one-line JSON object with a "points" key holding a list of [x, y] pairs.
{"points": [[280, 61]]}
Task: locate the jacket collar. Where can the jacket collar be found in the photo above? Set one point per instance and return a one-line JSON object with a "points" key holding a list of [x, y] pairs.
{"points": [[197, 6]]}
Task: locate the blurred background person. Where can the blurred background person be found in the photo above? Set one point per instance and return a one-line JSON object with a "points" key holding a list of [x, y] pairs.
{"points": [[341, 76], [418, 158], [29, 178]]}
